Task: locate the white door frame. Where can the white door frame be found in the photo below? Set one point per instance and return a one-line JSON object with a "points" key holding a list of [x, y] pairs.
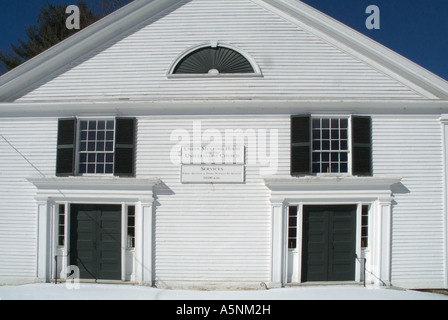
{"points": [[292, 191], [296, 254], [98, 190]]}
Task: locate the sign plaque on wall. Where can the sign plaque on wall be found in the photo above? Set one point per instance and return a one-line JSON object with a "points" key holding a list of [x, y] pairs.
{"points": [[213, 173], [213, 155], [213, 164]]}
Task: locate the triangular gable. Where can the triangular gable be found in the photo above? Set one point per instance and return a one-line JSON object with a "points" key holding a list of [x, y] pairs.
{"points": [[302, 54]]}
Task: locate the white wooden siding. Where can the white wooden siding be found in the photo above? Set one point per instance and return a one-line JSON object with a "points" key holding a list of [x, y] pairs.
{"points": [[209, 232], [221, 232], [28, 151], [411, 147], [203, 232], [294, 62]]}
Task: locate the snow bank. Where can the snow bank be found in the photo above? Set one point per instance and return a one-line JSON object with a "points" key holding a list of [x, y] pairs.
{"points": [[129, 292]]}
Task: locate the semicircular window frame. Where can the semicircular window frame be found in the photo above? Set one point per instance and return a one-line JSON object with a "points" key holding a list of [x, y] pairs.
{"points": [[214, 61]]}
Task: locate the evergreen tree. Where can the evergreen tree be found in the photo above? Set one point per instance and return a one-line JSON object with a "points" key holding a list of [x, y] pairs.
{"points": [[50, 29]]}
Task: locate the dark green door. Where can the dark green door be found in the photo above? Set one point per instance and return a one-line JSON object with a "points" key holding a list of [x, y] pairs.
{"points": [[95, 240], [329, 243]]}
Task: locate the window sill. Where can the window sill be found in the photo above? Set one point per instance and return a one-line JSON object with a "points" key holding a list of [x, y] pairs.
{"points": [[214, 76], [332, 175], [95, 175]]}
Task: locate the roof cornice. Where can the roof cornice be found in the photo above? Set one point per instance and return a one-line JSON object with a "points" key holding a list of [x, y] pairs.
{"points": [[222, 107]]}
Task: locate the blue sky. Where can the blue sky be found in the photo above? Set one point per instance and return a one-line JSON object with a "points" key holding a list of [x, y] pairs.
{"points": [[417, 29], [16, 15]]}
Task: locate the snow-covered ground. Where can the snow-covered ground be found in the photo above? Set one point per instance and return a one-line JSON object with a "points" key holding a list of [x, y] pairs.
{"points": [[129, 292]]}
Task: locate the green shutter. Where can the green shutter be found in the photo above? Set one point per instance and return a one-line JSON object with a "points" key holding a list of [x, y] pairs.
{"points": [[65, 159], [300, 145], [124, 147], [362, 146]]}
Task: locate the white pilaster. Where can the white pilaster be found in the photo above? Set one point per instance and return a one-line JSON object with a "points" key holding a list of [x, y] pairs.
{"points": [[144, 259], [43, 241], [444, 121], [385, 212], [278, 245]]}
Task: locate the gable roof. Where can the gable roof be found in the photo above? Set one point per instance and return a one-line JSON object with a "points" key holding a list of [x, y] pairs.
{"points": [[61, 57]]}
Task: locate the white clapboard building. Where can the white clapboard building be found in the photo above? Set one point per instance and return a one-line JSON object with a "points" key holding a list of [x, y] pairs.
{"points": [[230, 143]]}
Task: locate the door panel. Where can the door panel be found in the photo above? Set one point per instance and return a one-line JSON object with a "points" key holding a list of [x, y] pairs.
{"points": [[343, 243], [95, 241], [329, 243], [109, 255], [315, 244], [83, 239]]}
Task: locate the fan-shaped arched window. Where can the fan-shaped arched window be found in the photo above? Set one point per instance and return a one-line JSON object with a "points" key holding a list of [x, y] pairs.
{"points": [[214, 60]]}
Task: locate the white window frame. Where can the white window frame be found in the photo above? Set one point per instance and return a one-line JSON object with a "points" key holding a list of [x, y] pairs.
{"points": [[257, 71], [78, 145], [126, 214], [58, 223], [368, 215], [349, 144]]}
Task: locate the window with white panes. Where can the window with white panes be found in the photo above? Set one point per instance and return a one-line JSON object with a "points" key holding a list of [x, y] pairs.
{"points": [[131, 226], [365, 227], [330, 146], [61, 225], [292, 228], [96, 146]]}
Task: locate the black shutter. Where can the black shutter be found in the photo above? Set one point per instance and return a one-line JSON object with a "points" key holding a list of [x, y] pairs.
{"points": [[124, 147], [362, 146], [65, 160], [300, 145]]}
